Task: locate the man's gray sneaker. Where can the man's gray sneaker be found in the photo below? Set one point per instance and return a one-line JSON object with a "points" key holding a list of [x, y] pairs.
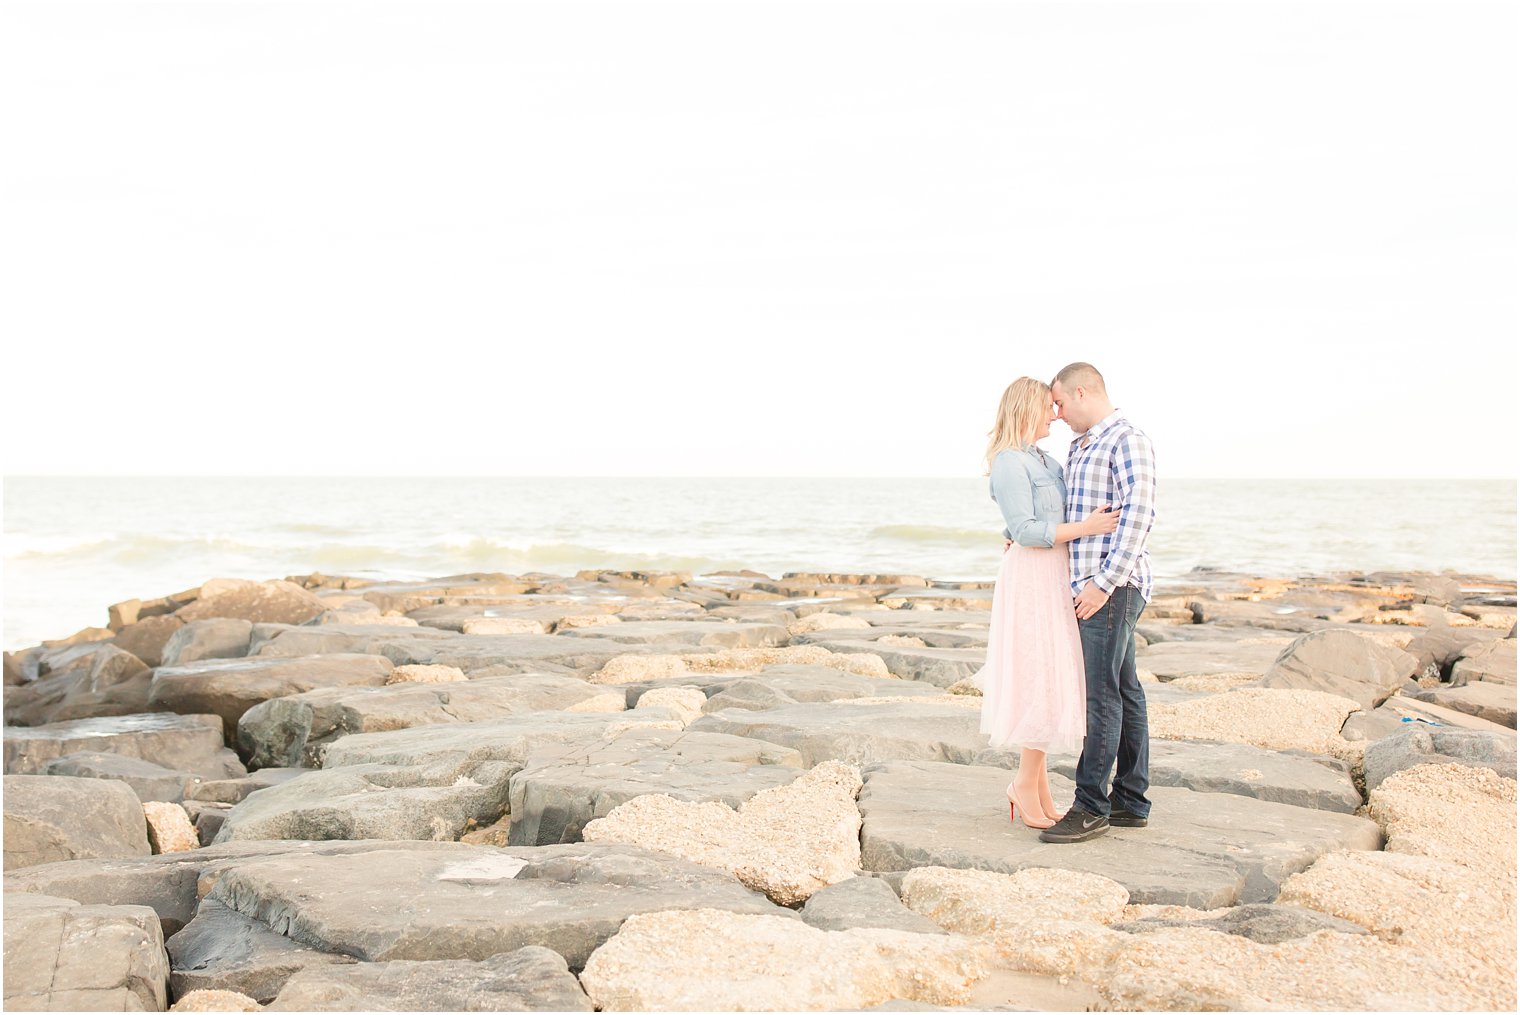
{"points": [[1077, 826], [1121, 818]]}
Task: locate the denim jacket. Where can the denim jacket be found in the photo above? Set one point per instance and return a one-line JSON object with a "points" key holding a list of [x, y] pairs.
{"points": [[1030, 490]]}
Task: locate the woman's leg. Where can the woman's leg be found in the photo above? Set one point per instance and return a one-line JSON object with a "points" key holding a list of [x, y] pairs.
{"points": [[1025, 788], [1047, 805]]}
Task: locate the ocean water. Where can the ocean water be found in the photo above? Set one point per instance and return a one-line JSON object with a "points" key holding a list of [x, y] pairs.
{"points": [[75, 545]]}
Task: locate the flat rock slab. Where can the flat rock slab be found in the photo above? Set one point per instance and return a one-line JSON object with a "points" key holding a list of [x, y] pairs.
{"points": [[183, 743], [1170, 660], [1290, 777], [55, 817], [938, 666], [1490, 662], [296, 730], [1492, 701], [561, 789], [704, 633], [64, 956], [230, 687], [223, 950], [528, 979], [1204, 850], [427, 782], [1263, 923], [475, 901], [171, 884], [147, 780], [860, 734]]}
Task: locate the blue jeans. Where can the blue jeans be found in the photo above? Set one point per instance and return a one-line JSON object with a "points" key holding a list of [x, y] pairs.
{"points": [[1117, 731]]}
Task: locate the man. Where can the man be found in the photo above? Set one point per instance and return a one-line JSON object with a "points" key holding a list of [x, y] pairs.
{"points": [[1110, 462]]}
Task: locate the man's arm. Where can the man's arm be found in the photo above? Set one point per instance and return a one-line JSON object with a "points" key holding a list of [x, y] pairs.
{"points": [[1134, 469]]}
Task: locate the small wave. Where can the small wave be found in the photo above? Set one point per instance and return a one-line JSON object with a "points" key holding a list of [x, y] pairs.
{"points": [[934, 534]]}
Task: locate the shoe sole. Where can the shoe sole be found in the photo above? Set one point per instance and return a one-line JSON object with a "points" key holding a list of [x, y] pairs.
{"points": [[1074, 836], [1129, 822]]}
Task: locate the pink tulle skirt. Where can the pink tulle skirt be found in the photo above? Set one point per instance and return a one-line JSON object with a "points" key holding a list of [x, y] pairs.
{"points": [[1034, 689]]}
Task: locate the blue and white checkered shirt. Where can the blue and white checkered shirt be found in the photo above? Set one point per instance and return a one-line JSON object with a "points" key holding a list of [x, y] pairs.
{"points": [[1116, 466]]}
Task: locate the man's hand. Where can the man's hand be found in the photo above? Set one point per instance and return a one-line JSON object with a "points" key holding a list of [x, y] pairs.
{"points": [[1090, 600]]}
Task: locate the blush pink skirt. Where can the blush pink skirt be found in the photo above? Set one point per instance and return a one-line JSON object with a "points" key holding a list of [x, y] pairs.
{"points": [[1034, 689]]}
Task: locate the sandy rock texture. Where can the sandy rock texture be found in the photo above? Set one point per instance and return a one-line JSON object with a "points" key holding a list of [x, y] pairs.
{"points": [[215, 1000], [1267, 717], [708, 960], [64, 956], [787, 842], [169, 828]]}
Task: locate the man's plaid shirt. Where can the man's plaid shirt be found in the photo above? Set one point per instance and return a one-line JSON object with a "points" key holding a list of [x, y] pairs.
{"points": [[1117, 466]]}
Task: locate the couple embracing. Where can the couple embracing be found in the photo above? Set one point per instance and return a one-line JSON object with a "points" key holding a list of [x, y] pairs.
{"points": [[1060, 673]]}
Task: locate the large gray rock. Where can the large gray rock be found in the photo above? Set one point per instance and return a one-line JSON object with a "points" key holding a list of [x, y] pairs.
{"points": [[146, 638], [1492, 662], [1204, 850], [296, 730], [99, 679], [473, 902], [223, 950], [147, 780], [1173, 659], [232, 791], [427, 782], [938, 666], [524, 653], [863, 902], [1343, 663], [1437, 649], [64, 956], [54, 817], [438, 802], [1435, 745], [181, 743], [230, 687], [528, 979], [556, 794], [860, 734], [1263, 923], [1492, 701], [1289, 777], [276, 602], [171, 884], [220, 638]]}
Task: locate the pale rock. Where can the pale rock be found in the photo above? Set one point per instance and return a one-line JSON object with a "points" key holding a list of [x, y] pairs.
{"points": [[572, 622], [618, 728], [787, 842], [424, 674], [1266, 717], [825, 622], [709, 960], [504, 625], [215, 1000], [1456, 813], [169, 828], [630, 669], [685, 701], [612, 701], [966, 687]]}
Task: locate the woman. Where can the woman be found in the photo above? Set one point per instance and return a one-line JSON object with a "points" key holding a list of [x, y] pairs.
{"points": [[1033, 685]]}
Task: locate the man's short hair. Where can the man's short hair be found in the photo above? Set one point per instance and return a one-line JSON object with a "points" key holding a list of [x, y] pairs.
{"points": [[1080, 375]]}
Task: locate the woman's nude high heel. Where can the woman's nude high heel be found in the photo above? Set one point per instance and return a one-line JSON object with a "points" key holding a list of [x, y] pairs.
{"points": [[1015, 805]]}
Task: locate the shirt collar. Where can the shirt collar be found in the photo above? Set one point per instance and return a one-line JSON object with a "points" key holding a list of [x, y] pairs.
{"points": [[1099, 428]]}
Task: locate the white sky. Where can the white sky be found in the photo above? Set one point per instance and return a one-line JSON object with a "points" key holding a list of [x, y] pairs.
{"points": [[752, 239]]}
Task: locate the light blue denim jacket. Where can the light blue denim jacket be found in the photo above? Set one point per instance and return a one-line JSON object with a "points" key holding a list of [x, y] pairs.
{"points": [[1030, 490]]}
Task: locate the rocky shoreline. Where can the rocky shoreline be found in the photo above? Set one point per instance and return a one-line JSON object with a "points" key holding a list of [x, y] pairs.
{"points": [[660, 791]]}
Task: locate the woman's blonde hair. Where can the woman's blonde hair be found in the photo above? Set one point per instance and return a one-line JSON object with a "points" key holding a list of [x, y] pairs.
{"points": [[1019, 415]]}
